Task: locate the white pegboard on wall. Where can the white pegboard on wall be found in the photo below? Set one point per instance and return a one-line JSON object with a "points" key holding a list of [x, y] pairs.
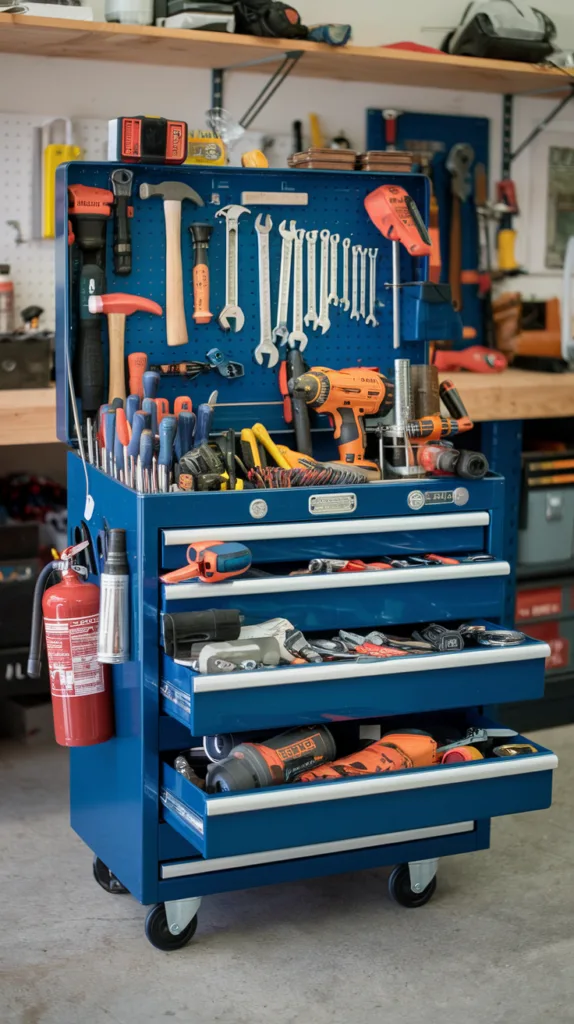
{"points": [[32, 262]]}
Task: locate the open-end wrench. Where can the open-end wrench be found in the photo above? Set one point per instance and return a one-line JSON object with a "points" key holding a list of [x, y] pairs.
{"points": [[311, 314], [355, 285], [297, 334], [345, 303], [363, 293], [333, 296], [322, 320], [281, 331], [266, 346], [231, 310], [371, 319]]}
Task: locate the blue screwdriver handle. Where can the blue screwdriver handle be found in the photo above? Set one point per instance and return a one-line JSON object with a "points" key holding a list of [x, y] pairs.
{"points": [[109, 435], [146, 449], [148, 405], [119, 453], [203, 425], [167, 432], [184, 436], [132, 406], [140, 423], [150, 384]]}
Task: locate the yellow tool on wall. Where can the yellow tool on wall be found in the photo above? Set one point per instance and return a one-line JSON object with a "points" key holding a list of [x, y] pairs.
{"points": [[54, 154]]}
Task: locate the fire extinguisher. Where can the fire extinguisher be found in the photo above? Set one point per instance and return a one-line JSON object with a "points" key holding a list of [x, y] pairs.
{"points": [[80, 686]]}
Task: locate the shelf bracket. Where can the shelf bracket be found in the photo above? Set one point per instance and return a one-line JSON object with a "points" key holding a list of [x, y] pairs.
{"points": [[290, 59], [508, 155]]}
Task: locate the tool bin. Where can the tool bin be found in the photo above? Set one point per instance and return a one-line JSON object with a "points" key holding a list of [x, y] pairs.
{"points": [[153, 833]]}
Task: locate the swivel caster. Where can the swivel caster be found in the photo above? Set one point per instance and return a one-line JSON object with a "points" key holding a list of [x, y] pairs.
{"points": [[172, 925], [405, 876], [106, 879]]}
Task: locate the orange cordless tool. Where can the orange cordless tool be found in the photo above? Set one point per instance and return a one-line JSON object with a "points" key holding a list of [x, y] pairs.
{"points": [[211, 561], [396, 215], [393, 752], [347, 396], [433, 428], [200, 234]]}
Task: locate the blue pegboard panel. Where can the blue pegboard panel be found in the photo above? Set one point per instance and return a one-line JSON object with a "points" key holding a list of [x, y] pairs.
{"points": [[448, 130], [335, 202]]}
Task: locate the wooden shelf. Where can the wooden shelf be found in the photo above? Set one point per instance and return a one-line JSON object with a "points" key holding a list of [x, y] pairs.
{"points": [[515, 394], [134, 44], [28, 417]]}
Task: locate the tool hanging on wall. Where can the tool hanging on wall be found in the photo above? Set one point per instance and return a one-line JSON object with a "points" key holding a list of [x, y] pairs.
{"points": [[458, 163], [200, 234], [117, 306], [232, 310], [122, 183], [57, 146]]}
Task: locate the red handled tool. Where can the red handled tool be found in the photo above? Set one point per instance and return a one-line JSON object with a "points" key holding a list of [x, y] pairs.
{"points": [[211, 561], [117, 306]]}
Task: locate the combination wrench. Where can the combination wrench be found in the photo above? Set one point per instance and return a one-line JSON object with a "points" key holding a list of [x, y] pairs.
{"points": [[333, 296], [311, 314], [281, 331], [298, 334], [231, 310], [266, 346], [371, 319], [322, 320], [355, 283], [346, 243], [363, 293]]}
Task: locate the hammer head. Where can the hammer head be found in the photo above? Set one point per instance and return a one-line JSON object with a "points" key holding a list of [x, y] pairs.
{"points": [[120, 302], [175, 191]]}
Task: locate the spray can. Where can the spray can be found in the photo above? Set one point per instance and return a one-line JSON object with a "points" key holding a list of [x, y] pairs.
{"points": [[280, 759], [113, 634], [6, 300]]}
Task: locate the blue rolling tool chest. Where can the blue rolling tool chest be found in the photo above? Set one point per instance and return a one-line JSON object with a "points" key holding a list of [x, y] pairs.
{"points": [[153, 832]]}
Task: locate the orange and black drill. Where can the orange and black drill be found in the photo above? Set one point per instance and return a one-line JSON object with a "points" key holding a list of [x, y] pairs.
{"points": [[346, 397], [436, 427]]}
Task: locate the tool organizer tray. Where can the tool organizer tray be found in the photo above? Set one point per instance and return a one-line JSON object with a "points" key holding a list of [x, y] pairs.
{"points": [[163, 838]]}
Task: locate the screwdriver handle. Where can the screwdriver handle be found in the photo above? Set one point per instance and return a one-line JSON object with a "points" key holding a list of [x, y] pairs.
{"points": [[162, 406], [132, 406], [184, 436], [140, 423], [149, 406], [182, 403], [109, 437], [150, 381], [137, 363], [118, 452], [452, 400], [167, 432], [146, 449], [201, 234], [203, 425]]}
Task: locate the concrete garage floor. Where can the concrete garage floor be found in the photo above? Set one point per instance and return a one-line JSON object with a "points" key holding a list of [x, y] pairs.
{"points": [[495, 945]]}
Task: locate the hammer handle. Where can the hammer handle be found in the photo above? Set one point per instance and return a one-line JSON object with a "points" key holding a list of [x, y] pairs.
{"points": [[116, 333], [175, 311], [455, 254]]}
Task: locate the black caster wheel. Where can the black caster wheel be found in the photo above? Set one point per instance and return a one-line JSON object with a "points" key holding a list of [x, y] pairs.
{"points": [[106, 879], [400, 888], [158, 933]]}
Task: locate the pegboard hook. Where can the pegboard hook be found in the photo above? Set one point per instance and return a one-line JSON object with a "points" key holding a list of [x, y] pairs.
{"points": [[15, 224]]}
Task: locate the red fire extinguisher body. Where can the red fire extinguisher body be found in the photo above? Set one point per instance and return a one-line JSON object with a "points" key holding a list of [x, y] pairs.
{"points": [[80, 686]]}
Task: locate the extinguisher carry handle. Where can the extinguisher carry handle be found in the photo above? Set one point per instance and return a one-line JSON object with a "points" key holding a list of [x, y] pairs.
{"points": [[34, 666]]}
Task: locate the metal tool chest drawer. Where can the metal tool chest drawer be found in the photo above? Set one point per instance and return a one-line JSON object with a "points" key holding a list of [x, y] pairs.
{"points": [[222, 825], [309, 694]]}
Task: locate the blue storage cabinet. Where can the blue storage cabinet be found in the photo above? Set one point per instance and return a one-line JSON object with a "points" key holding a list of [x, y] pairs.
{"points": [[155, 834]]}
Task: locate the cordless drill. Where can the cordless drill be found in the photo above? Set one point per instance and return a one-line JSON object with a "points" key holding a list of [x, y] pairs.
{"points": [[346, 396]]}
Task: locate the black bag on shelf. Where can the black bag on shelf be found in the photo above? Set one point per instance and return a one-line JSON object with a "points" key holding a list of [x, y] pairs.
{"points": [[268, 18]]}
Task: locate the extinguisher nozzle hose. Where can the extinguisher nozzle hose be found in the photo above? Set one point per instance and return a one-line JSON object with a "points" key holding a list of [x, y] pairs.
{"points": [[34, 666]]}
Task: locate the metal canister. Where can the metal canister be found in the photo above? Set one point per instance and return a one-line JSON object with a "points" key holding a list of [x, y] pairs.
{"points": [[114, 630], [424, 390]]}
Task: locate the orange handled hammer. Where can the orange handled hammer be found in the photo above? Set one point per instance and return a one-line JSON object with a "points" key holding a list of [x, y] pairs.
{"points": [[118, 305]]}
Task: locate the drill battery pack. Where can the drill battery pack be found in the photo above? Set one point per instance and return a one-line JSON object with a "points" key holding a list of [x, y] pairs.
{"points": [[147, 140]]}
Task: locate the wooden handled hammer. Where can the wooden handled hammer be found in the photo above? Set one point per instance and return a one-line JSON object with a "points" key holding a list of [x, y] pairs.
{"points": [[173, 193], [118, 305]]}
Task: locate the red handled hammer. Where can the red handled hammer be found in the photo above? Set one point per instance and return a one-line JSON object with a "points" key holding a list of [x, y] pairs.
{"points": [[118, 305]]}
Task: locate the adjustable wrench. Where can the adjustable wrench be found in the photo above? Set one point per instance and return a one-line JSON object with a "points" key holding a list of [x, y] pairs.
{"points": [[345, 300], [311, 314], [363, 306], [371, 319], [281, 331], [355, 286], [231, 310], [333, 296], [322, 320], [298, 334], [266, 346]]}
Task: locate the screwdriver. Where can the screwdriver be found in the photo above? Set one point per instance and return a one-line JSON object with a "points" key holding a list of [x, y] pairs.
{"points": [[395, 214], [184, 435], [162, 405], [150, 383], [205, 419], [167, 432], [182, 403], [132, 406], [121, 444], [109, 437], [149, 406], [141, 422], [145, 462]]}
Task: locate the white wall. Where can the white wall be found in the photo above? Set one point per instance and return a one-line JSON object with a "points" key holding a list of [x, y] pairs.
{"points": [[79, 89]]}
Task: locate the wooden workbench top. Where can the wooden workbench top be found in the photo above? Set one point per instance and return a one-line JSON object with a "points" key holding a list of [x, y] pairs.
{"points": [[28, 416], [515, 394]]}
